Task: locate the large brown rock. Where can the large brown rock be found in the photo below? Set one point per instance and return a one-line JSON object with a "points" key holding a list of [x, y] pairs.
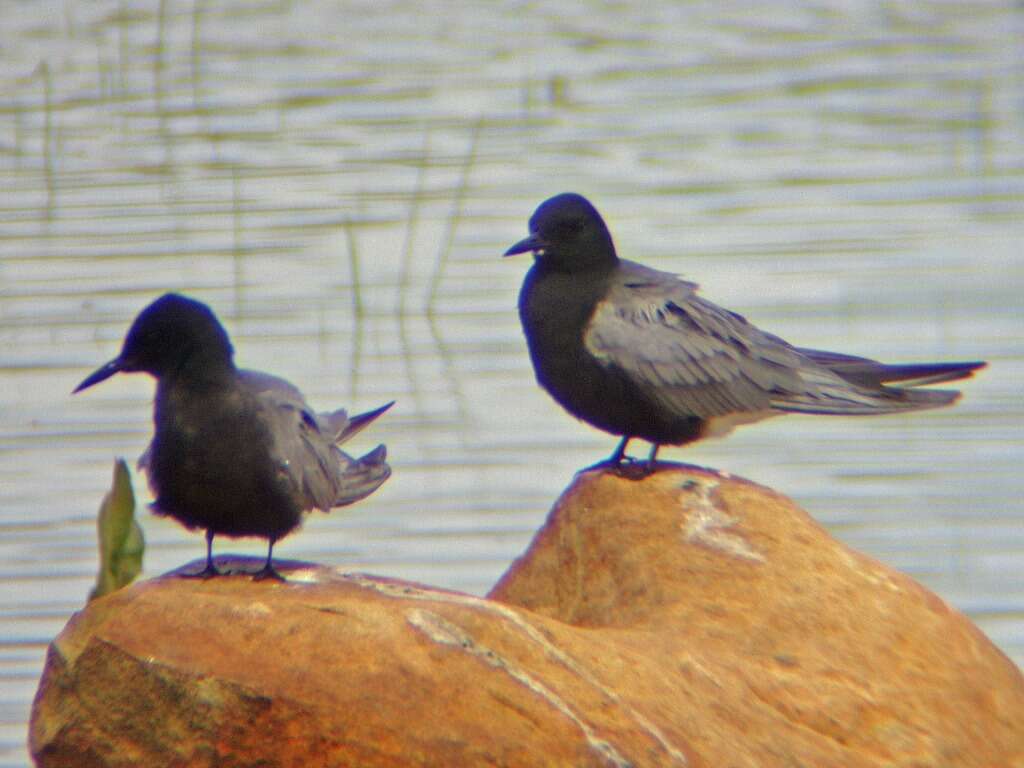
{"points": [[687, 619]]}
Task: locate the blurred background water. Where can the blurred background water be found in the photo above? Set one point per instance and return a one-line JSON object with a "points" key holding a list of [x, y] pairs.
{"points": [[339, 179]]}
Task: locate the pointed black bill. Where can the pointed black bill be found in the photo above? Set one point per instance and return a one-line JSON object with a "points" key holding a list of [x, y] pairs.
{"points": [[100, 374], [531, 243]]}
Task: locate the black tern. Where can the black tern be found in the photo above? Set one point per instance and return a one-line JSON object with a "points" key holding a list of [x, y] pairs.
{"points": [[638, 353], [235, 452]]}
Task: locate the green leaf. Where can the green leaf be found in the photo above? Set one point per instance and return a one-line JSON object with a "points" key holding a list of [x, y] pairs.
{"points": [[120, 537]]}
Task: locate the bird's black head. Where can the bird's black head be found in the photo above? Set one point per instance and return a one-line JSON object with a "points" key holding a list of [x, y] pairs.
{"points": [[171, 334], [569, 235]]}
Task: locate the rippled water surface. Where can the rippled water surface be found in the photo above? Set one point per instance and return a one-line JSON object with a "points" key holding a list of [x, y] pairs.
{"points": [[338, 181]]}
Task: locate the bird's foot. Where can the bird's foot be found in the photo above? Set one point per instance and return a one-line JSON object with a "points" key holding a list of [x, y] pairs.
{"points": [[207, 573], [268, 572], [627, 466], [634, 469]]}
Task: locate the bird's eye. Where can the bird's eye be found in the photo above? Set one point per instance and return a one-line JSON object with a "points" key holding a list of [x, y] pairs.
{"points": [[568, 227]]}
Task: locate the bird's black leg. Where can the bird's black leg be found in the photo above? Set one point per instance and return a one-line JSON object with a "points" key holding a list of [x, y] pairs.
{"points": [[652, 459], [620, 452], [210, 570], [268, 572]]}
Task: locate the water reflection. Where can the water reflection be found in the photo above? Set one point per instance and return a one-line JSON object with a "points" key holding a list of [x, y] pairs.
{"points": [[338, 180]]}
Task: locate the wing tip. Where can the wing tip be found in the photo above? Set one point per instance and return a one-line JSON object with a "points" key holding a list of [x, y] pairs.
{"points": [[360, 421]]}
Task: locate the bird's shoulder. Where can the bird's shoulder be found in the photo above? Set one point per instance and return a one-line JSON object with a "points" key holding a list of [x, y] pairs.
{"points": [[270, 388], [280, 394], [278, 397], [643, 300], [639, 281]]}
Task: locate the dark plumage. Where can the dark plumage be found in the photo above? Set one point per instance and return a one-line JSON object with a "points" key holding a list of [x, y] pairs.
{"points": [[235, 452], [638, 353]]}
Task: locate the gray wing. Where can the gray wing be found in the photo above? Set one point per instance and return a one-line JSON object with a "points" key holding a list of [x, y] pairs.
{"points": [[699, 359], [305, 446]]}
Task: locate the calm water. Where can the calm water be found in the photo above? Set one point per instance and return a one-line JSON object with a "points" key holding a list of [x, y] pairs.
{"points": [[338, 180]]}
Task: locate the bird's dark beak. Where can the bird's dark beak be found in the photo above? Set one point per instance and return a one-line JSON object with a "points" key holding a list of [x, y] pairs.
{"points": [[531, 243], [101, 374]]}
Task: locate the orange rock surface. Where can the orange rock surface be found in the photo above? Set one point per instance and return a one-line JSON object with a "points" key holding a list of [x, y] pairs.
{"points": [[686, 619]]}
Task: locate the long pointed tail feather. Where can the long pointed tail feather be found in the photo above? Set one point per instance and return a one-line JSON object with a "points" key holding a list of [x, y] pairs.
{"points": [[871, 373], [929, 373], [856, 386]]}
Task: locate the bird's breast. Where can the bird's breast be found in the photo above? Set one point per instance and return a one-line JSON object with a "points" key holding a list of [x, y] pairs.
{"points": [[555, 309]]}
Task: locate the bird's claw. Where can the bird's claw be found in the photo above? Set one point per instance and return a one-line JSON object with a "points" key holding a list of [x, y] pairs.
{"points": [[268, 572], [207, 573], [632, 468]]}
